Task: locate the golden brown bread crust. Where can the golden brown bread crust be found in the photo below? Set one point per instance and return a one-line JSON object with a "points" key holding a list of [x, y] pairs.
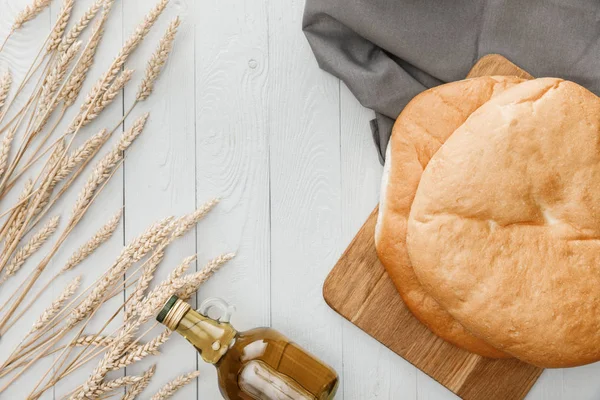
{"points": [[504, 230], [424, 125]]}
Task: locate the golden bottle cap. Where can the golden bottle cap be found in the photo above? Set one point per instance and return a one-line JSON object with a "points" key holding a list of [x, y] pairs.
{"points": [[172, 312]]}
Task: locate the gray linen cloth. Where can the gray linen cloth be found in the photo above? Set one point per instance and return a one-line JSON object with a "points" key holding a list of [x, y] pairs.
{"points": [[387, 51]]}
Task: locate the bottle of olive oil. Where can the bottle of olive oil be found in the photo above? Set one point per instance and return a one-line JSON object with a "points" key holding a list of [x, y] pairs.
{"points": [[260, 364]]}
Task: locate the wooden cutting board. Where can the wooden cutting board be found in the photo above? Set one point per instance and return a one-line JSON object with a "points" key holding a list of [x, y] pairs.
{"points": [[359, 289]]}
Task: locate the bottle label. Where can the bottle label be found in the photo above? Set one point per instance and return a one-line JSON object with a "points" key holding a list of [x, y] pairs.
{"points": [[261, 382]]}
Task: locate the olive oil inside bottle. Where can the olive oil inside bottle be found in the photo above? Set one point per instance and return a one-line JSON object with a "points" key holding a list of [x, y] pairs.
{"points": [[260, 364]]}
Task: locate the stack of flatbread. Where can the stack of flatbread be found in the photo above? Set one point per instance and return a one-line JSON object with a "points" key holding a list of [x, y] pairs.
{"points": [[489, 221]]}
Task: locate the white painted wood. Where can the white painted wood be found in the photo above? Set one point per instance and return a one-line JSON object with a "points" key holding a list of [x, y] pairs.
{"points": [[242, 112], [232, 158], [306, 199], [159, 169], [371, 371]]}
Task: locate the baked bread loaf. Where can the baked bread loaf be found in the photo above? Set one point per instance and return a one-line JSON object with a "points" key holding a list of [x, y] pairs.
{"points": [[504, 231], [424, 125]]}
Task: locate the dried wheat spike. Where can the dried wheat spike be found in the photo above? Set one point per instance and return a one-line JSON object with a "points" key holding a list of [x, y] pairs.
{"points": [[101, 103], [143, 283], [56, 305], [73, 86], [33, 245], [187, 222], [60, 26], [52, 83], [79, 155], [144, 350], [133, 132], [132, 253], [106, 364], [109, 386], [76, 29], [170, 388], [95, 241], [5, 149], [93, 340], [130, 45], [104, 167], [5, 82], [139, 387], [194, 281], [157, 61], [30, 12], [19, 214]]}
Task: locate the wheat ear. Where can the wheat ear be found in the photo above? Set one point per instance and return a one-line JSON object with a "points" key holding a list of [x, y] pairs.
{"points": [[95, 241], [5, 149], [129, 255], [60, 26], [79, 155], [157, 61], [73, 85], [139, 387], [170, 388], [103, 101], [105, 165], [143, 283], [109, 386], [128, 47], [194, 281], [5, 82], [56, 305], [30, 12], [52, 83], [73, 33], [33, 245], [141, 351], [92, 340]]}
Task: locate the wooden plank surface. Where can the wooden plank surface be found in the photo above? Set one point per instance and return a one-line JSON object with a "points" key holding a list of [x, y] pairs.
{"points": [[359, 289]]}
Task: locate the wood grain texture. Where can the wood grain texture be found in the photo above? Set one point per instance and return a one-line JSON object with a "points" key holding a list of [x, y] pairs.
{"points": [[159, 168], [373, 372], [232, 158], [360, 290], [304, 134]]}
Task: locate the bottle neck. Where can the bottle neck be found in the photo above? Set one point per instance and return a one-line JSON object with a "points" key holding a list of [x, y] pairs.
{"points": [[211, 338]]}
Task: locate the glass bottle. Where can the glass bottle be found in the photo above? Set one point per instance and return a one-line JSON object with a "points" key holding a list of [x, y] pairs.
{"points": [[259, 364]]}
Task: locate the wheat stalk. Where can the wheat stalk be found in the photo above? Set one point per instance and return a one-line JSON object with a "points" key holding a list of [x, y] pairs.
{"points": [[5, 83], [92, 340], [170, 388], [115, 384], [73, 85], [107, 96], [60, 26], [79, 155], [30, 12], [56, 305], [194, 281], [139, 387], [5, 149], [93, 243], [157, 61], [106, 165], [143, 283], [130, 254], [72, 34], [141, 351], [33, 245]]}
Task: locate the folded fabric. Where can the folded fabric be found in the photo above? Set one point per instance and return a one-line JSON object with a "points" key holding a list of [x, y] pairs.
{"points": [[387, 51]]}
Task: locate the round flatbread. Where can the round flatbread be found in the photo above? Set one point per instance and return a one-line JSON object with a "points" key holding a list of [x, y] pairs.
{"points": [[420, 130], [504, 230]]}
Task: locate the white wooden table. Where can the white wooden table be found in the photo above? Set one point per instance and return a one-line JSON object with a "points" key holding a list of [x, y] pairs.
{"points": [[244, 113]]}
